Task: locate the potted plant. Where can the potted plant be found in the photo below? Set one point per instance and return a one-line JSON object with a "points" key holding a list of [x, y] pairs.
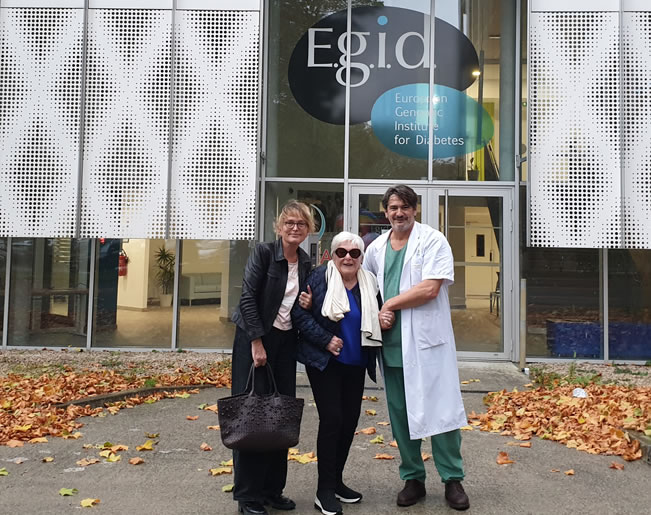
{"points": [[165, 275]]}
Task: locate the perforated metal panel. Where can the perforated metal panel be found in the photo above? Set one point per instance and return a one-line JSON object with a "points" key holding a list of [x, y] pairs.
{"points": [[215, 126], [636, 37], [40, 88], [575, 166], [126, 143]]}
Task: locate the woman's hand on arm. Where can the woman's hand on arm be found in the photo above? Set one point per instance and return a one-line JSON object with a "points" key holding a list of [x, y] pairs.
{"points": [[258, 353], [305, 299], [335, 345]]}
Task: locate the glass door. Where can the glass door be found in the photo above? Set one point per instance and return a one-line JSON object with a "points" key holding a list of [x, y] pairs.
{"points": [[478, 225]]}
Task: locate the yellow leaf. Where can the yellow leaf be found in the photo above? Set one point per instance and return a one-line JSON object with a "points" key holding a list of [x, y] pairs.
{"points": [[466, 428], [293, 451], [22, 429], [114, 458], [371, 412], [216, 428], [42, 439], [47, 459], [5, 405], [86, 462], [152, 435], [221, 470], [228, 463], [106, 453], [182, 395], [383, 456], [89, 503], [228, 488], [4, 472], [136, 461], [68, 491], [647, 432], [383, 423], [147, 446], [74, 436], [465, 382], [378, 439]]}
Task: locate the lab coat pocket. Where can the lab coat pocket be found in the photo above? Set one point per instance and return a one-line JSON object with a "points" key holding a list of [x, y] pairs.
{"points": [[416, 269], [428, 334]]}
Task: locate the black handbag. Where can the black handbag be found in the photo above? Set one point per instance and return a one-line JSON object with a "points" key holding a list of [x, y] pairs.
{"points": [[259, 423]]}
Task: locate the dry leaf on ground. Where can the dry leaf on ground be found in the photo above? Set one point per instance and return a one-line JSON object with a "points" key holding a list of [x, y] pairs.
{"points": [[192, 417], [205, 447], [220, 471], [89, 503], [616, 466], [136, 461], [503, 459], [383, 456], [368, 431], [569, 472]]}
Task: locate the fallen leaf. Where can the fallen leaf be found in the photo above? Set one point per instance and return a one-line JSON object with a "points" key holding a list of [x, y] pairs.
{"points": [[378, 439], [228, 488], [48, 459], [425, 456], [555, 470], [119, 447], [383, 456], [569, 472], [136, 461], [42, 439], [106, 453], [503, 458], [371, 398], [113, 458], [526, 445], [393, 443], [147, 446], [616, 466], [228, 463], [68, 491], [216, 428], [22, 429], [465, 382], [14, 443], [4, 472], [205, 447], [528, 385], [152, 435], [89, 503], [466, 428], [308, 457], [368, 431], [292, 451], [182, 395], [74, 436], [221, 470], [212, 407], [191, 417], [371, 412], [383, 423], [86, 462]]}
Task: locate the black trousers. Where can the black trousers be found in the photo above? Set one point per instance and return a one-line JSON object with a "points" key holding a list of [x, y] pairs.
{"points": [[263, 474], [337, 393]]}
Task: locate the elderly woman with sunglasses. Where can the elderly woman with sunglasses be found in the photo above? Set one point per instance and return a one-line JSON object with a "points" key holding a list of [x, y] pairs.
{"points": [[339, 335], [274, 274]]}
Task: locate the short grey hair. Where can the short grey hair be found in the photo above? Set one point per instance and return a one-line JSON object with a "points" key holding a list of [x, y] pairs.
{"points": [[343, 236]]}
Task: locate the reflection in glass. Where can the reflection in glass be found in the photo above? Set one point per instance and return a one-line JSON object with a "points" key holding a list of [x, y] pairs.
{"points": [[629, 304], [563, 314], [132, 306], [475, 296], [209, 291], [48, 303], [3, 274], [298, 144], [327, 201]]}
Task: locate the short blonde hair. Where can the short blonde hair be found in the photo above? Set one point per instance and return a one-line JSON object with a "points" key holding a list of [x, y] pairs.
{"points": [[343, 236], [294, 207]]}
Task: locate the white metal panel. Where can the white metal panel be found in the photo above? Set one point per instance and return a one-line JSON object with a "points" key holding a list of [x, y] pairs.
{"points": [[130, 4], [75, 4], [219, 5], [574, 5], [40, 89], [126, 143], [636, 39], [636, 5], [575, 183], [215, 127]]}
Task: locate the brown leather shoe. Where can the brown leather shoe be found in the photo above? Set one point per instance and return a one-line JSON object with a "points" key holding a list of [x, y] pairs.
{"points": [[413, 490], [456, 496]]}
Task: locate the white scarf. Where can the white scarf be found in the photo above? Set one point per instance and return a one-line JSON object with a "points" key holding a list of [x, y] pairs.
{"points": [[335, 304]]}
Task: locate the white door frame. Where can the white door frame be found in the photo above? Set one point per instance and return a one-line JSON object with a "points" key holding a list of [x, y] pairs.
{"points": [[431, 195]]}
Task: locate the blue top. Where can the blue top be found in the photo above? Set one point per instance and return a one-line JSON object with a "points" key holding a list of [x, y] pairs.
{"points": [[351, 352]]}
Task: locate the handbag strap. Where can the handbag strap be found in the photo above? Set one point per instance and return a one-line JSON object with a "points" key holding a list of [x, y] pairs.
{"points": [[251, 379]]}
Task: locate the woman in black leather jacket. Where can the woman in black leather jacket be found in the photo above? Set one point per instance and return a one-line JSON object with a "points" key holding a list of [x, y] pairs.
{"points": [[272, 281]]}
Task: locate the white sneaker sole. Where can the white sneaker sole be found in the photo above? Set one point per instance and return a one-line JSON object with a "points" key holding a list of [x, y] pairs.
{"points": [[317, 505], [348, 501]]}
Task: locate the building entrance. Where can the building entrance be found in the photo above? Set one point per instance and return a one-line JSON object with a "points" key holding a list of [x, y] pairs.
{"points": [[478, 224]]}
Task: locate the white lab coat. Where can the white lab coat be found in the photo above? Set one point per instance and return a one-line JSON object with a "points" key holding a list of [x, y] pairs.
{"points": [[432, 389]]}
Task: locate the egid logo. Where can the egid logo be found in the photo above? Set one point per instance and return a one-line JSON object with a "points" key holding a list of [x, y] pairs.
{"points": [[390, 47]]}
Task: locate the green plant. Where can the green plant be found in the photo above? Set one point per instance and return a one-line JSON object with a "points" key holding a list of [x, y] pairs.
{"points": [[150, 383], [165, 270]]}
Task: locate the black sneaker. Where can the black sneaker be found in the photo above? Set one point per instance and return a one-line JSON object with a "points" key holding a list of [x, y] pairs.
{"points": [[347, 495], [327, 503]]}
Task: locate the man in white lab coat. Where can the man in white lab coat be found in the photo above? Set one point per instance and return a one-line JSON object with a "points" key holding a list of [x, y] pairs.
{"points": [[414, 266]]}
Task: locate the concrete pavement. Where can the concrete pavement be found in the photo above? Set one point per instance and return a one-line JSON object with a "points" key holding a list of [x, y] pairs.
{"points": [[175, 479]]}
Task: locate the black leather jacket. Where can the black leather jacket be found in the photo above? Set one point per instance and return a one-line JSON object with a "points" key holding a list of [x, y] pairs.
{"points": [[263, 287]]}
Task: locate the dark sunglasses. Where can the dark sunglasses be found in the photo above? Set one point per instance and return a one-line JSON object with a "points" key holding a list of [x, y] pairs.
{"points": [[354, 253]]}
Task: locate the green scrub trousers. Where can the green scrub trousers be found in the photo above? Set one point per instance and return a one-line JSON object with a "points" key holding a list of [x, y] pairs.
{"points": [[446, 447]]}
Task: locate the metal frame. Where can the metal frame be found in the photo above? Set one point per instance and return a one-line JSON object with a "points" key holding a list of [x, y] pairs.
{"points": [[91, 292], [5, 314]]}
